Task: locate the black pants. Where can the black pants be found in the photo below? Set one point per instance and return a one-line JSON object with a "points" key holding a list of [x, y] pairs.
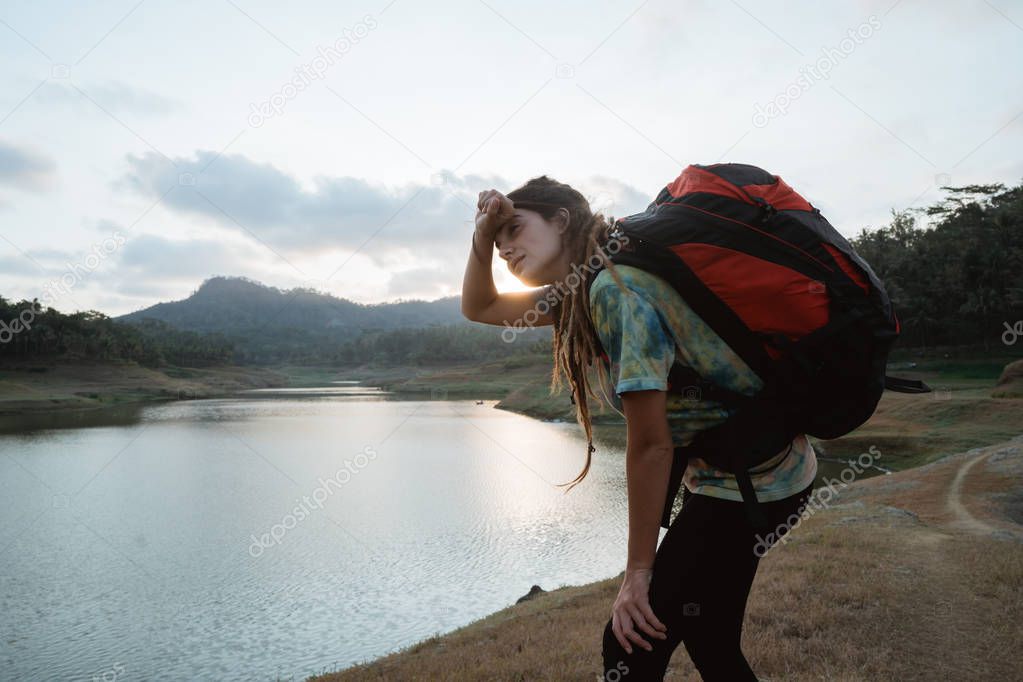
{"points": [[701, 578]]}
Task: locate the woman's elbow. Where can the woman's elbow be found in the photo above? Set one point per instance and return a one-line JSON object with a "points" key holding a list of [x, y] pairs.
{"points": [[652, 451]]}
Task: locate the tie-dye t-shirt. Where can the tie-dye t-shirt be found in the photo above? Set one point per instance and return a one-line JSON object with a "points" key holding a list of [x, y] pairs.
{"points": [[643, 333]]}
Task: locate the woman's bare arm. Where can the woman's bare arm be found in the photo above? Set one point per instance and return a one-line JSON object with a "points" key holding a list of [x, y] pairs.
{"points": [[480, 300], [647, 466], [649, 451], [482, 303]]}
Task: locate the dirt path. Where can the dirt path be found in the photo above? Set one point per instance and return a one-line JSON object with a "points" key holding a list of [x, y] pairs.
{"points": [[946, 566], [980, 494], [967, 492], [963, 518]]}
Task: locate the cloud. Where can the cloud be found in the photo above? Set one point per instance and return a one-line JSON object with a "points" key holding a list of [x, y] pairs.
{"points": [[149, 256], [392, 226], [423, 283], [616, 198], [43, 255], [25, 168], [133, 269], [114, 96], [386, 224], [151, 266], [18, 265]]}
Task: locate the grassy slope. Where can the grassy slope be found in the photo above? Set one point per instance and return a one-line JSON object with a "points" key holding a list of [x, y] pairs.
{"points": [[908, 429], [903, 600], [896, 597], [884, 584]]}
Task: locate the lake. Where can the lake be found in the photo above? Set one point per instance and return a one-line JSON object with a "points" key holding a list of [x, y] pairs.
{"points": [[279, 534], [283, 533]]}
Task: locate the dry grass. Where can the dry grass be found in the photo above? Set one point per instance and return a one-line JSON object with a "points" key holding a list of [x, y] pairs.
{"points": [[886, 584], [1010, 383], [1012, 372], [911, 430]]}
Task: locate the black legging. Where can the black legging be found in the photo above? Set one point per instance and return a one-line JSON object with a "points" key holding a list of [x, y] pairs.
{"points": [[702, 575]]}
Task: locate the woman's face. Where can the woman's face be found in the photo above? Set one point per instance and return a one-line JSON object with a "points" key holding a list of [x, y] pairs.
{"points": [[531, 245]]}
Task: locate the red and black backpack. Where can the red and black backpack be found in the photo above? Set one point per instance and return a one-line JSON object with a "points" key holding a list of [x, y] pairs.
{"points": [[768, 273]]}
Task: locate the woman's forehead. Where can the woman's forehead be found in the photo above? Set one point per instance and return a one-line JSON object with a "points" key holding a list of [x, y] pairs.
{"points": [[497, 242]]}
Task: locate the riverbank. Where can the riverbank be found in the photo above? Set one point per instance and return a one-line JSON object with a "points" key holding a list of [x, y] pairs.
{"points": [[28, 388], [910, 432], [966, 408], [900, 553], [913, 576], [520, 385]]}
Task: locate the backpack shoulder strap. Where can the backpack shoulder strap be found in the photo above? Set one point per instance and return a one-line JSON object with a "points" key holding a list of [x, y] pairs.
{"points": [[711, 309], [905, 385]]}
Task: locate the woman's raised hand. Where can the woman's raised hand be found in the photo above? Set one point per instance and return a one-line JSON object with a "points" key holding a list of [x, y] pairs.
{"points": [[492, 211]]}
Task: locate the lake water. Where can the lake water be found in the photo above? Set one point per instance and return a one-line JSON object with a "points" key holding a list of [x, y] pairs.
{"points": [[228, 539], [283, 533]]}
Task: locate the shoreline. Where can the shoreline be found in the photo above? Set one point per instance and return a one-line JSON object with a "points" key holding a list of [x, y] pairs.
{"points": [[519, 385], [31, 387], [914, 432], [28, 389], [536, 603], [920, 520]]}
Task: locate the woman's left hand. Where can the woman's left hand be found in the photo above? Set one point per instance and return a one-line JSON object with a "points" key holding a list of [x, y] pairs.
{"points": [[632, 611]]}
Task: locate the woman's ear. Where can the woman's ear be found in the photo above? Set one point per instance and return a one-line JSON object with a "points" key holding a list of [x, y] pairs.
{"points": [[564, 218]]}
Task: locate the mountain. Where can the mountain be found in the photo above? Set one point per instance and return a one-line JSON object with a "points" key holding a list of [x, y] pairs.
{"points": [[265, 325], [239, 306]]}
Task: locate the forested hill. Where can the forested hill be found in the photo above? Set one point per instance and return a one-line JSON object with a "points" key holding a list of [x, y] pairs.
{"points": [[260, 324], [234, 320], [238, 305]]}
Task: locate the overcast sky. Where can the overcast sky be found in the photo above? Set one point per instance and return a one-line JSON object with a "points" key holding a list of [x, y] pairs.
{"points": [[146, 146]]}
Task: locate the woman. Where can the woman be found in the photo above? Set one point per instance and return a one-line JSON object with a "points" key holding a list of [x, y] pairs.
{"points": [[692, 589]]}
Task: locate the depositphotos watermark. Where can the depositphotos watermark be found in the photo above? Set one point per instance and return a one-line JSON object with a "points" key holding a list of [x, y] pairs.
{"points": [[99, 252], [821, 69], [615, 674], [319, 496], [1012, 333], [315, 69], [559, 290], [22, 322], [61, 286], [817, 500], [109, 675]]}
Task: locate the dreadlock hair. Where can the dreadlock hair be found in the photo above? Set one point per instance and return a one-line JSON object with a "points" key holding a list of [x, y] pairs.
{"points": [[573, 344]]}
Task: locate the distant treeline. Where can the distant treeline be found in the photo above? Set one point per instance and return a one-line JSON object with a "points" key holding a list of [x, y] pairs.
{"points": [[958, 281], [435, 344], [441, 345], [29, 331]]}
